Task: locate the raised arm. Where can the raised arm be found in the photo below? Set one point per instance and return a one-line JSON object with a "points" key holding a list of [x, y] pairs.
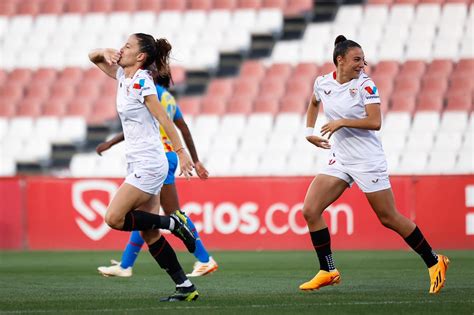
{"points": [[188, 139], [155, 108], [106, 59]]}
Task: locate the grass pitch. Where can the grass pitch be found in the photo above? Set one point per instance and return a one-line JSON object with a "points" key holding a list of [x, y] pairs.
{"points": [[373, 282]]}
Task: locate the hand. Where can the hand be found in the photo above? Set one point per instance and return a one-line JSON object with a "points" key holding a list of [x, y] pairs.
{"points": [[319, 142], [101, 147], [111, 56], [201, 170], [331, 127], [185, 164]]}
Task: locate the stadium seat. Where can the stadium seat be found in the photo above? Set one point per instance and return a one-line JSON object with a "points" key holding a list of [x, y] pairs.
{"points": [[269, 21], [397, 121], [245, 164], [54, 108], [293, 103], [8, 165], [425, 121], [393, 141], [297, 7], [412, 163], [29, 107], [83, 165], [190, 105], [79, 7], [7, 109], [225, 4], [402, 103], [272, 87], [441, 162], [429, 101], [239, 105], [448, 141], [233, 124], [271, 165], [266, 105], [434, 84], [219, 163], [459, 102], [149, 5], [213, 105], [454, 121]]}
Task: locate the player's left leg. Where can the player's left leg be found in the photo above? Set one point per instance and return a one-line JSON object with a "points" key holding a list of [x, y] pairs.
{"points": [[383, 204]]}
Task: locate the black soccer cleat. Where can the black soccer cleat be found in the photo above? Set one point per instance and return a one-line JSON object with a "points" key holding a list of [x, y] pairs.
{"points": [[182, 294], [182, 231]]}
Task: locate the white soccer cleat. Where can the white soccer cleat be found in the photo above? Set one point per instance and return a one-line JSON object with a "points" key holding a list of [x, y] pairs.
{"points": [[115, 270], [202, 269]]}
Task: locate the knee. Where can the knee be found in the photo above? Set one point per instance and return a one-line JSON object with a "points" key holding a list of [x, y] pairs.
{"points": [[114, 221], [388, 221], [311, 214]]}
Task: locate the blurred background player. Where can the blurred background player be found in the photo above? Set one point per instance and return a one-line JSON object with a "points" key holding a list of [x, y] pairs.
{"points": [[352, 106], [168, 197], [134, 205]]}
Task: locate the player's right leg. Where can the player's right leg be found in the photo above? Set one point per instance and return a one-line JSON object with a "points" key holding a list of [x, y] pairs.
{"points": [[323, 191]]}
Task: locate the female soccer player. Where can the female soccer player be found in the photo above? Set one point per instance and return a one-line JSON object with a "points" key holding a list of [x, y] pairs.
{"points": [[205, 264], [134, 205], [352, 106]]}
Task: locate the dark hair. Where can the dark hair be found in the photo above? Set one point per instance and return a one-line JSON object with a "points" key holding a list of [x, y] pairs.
{"points": [[157, 57], [341, 46]]}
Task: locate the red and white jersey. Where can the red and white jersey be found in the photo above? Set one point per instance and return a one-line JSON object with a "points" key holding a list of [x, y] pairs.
{"points": [[347, 101], [140, 128]]}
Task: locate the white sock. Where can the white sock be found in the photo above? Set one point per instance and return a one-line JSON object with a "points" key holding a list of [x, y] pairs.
{"points": [[172, 224], [185, 284]]}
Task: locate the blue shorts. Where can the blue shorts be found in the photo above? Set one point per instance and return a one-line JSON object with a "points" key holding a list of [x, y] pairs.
{"points": [[173, 164]]}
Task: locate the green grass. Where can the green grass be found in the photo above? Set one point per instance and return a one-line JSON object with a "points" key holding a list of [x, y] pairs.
{"points": [[384, 282]]}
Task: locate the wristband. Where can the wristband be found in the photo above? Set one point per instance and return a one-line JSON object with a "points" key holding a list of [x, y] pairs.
{"points": [[308, 131], [177, 151]]}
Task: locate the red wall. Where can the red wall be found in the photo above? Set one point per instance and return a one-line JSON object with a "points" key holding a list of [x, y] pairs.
{"points": [[236, 213]]}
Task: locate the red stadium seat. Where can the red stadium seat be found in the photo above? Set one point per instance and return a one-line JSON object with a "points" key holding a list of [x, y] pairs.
{"points": [[148, 5], [179, 75], [213, 105], [252, 69], [52, 7], [293, 103], [246, 88], [459, 1], [28, 7], [103, 6], [406, 1], [239, 105], [276, 4], [100, 115], [440, 67], [62, 91], [464, 66], [406, 86], [272, 88], [414, 68], [87, 89], [387, 2], [384, 84], [461, 83], [200, 5], [94, 75], [279, 71], [225, 4], [80, 7], [79, 107], [305, 70], [125, 5], [402, 103], [299, 86], [249, 4], [109, 89], [7, 7], [266, 105], [326, 68], [11, 92], [432, 1], [7, 110], [20, 76], [3, 77], [434, 84], [386, 68], [297, 7], [54, 108], [429, 102], [38, 90], [221, 88], [174, 5], [29, 107], [44, 75], [459, 102], [70, 75], [190, 105]]}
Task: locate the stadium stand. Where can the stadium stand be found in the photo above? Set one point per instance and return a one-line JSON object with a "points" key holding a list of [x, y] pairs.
{"points": [[420, 54]]}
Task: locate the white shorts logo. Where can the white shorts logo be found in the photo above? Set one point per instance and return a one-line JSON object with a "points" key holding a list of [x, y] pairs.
{"points": [[96, 207]]}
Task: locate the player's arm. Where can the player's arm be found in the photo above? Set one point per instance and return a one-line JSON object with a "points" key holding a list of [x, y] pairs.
{"points": [[106, 59], [373, 121], [155, 108], [188, 139], [311, 117], [104, 146]]}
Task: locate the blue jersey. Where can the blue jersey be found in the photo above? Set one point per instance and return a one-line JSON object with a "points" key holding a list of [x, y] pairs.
{"points": [[172, 109]]}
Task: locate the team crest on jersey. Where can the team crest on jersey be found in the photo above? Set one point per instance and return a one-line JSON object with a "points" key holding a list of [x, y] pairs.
{"points": [[353, 92]]}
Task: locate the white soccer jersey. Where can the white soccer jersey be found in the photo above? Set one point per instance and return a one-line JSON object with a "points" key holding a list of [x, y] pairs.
{"points": [[348, 100], [140, 128]]}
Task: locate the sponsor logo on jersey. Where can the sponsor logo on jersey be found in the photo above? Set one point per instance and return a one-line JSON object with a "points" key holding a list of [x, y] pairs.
{"points": [[327, 92], [139, 85], [371, 90]]}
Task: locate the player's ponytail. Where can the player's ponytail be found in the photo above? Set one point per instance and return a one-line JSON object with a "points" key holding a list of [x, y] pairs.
{"points": [[341, 46], [163, 77], [157, 57]]}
